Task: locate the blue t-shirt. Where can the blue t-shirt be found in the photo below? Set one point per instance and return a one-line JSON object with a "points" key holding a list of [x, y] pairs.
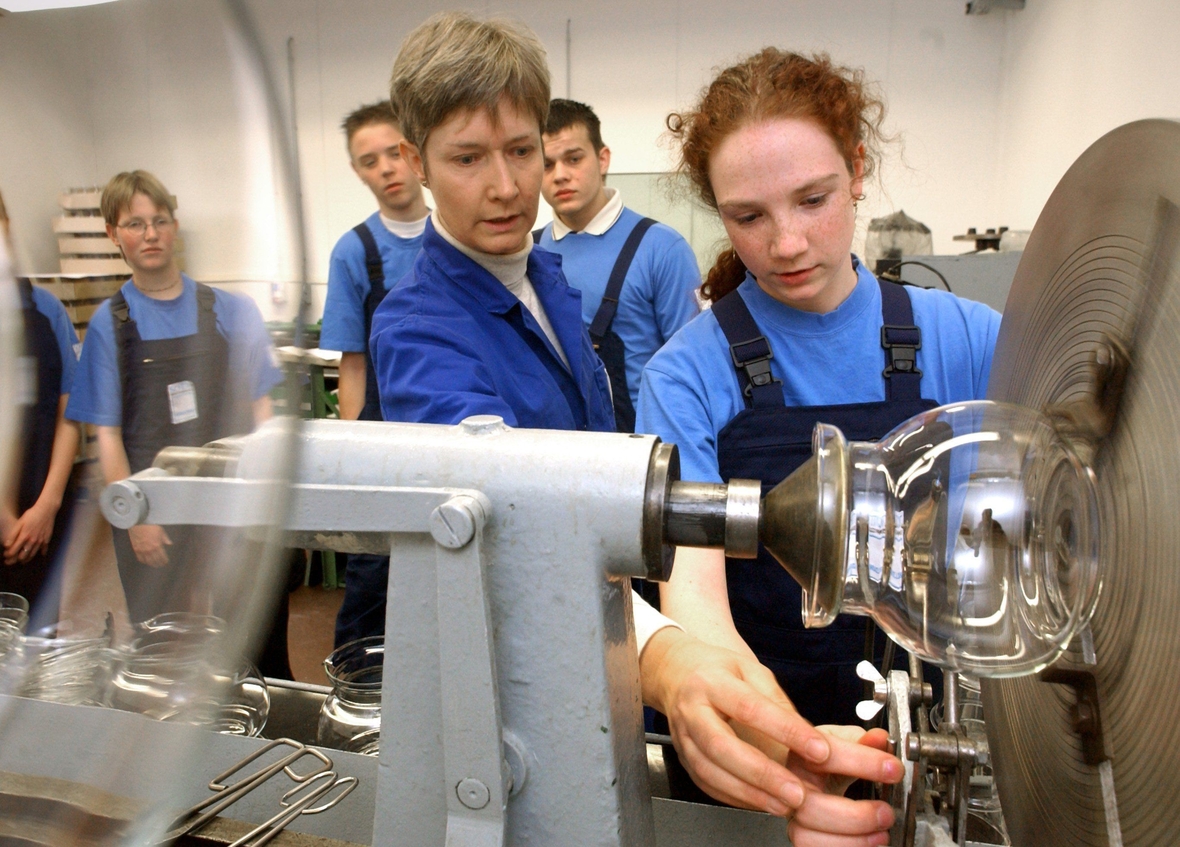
{"points": [[98, 397], [450, 341], [63, 333], [690, 388], [348, 283], [658, 294]]}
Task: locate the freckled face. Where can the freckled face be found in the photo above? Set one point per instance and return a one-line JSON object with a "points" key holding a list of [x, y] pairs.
{"points": [[786, 199], [484, 173]]}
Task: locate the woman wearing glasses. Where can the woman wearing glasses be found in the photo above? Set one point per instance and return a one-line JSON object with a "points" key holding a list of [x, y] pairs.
{"points": [[166, 361]]}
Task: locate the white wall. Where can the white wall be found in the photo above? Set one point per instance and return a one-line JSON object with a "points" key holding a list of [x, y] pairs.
{"points": [[46, 135], [990, 109], [1073, 71]]}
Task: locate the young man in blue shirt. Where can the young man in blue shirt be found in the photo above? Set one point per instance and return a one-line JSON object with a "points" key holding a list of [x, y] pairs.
{"points": [[638, 278], [166, 361], [372, 256], [484, 324], [365, 263]]}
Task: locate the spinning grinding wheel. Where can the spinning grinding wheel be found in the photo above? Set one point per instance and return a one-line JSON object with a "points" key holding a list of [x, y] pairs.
{"points": [[1100, 276]]}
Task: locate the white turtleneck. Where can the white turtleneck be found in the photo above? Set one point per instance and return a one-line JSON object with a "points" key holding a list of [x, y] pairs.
{"points": [[405, 229], [512, 271]]}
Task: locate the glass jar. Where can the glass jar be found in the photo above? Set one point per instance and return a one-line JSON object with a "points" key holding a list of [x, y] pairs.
{"points": [[350, 718], [62, 667], [173, 670], [14, 609]]}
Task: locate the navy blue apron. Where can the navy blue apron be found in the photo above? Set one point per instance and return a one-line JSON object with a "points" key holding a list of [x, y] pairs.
{"points": [[371, 411], [39, 426], [366, 576], [159, 377], [607, 344], [767, 441]]}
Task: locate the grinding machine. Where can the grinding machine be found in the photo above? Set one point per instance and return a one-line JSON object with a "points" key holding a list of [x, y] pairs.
{"points": [[1025, 541]]}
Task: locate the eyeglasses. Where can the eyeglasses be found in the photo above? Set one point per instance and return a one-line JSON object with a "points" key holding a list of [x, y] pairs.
{"points": [[137, 226]]}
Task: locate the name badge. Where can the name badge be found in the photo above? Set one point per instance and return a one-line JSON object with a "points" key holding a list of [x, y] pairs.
{"points": [[182, 398]]}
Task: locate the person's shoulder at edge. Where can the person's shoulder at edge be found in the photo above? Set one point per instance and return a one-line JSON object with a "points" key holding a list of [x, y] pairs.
{"points": [[48, 304], [63, 331]]}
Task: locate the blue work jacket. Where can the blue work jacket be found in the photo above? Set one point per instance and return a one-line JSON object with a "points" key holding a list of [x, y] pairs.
{"points": [[450, 341]]}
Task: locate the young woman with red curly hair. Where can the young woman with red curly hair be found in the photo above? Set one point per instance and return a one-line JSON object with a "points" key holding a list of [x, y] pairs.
{"points": [[781, 146]]}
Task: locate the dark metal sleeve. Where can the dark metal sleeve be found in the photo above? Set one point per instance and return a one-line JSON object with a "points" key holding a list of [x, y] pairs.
{"points": [[694, 515]]}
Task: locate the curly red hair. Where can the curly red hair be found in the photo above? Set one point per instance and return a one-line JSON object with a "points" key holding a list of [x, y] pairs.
{"points": [[768, 85]]}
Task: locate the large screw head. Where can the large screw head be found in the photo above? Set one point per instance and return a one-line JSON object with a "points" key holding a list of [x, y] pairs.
{"points": [[452, 524], [472, 793]]}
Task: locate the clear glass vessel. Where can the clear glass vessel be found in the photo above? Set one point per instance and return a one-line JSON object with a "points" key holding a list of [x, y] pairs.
{"points": [[14, 617], [173, 670], [60, 666], [350, 718], [14, 609], [970, 534]]}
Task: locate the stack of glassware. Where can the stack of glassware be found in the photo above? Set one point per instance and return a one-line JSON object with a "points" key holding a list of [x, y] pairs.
{"points": [[174, 670], [61, 663], [63, 667]]}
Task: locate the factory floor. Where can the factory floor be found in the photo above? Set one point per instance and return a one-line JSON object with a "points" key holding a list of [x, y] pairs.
{"points": [[309, 630]]}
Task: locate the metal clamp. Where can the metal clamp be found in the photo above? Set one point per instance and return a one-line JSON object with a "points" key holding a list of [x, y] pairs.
{"points": [[323, 777]]}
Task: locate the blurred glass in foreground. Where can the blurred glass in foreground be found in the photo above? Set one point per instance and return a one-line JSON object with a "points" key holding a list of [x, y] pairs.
{"points": [[105, 714]]}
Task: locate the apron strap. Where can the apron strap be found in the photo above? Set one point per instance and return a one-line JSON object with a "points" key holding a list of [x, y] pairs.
{"points": [[537, 233], [375, 267], [376, 271], [605, 315], [119, 311], [901, 340], [206, 316], [125, 332], [750, 352]]}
